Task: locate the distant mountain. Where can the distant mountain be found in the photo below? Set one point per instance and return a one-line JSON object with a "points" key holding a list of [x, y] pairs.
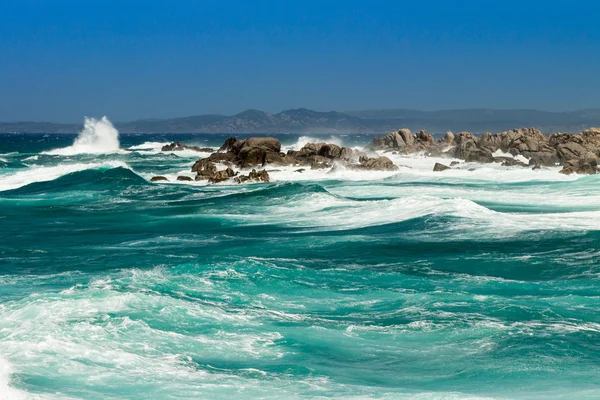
{"points": [[302, 120]]}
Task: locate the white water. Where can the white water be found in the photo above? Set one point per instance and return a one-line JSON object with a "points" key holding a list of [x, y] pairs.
{"points": [[97, 137], [43, 174], [151, 148]]}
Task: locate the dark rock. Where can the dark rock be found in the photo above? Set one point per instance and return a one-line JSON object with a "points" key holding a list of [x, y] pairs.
{"points": [[177, 146], [510, 162], [253, 176], [453, 163], [221, 176], [158, 179], [440, 167], [184, 178]]}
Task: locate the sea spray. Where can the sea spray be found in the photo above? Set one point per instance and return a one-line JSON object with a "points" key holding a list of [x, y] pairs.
{"points": [[97, 137]]}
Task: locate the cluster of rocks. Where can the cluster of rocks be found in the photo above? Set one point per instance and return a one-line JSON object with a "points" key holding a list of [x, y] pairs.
{"points": [[265, 151], [177, 146], [577, 153]]}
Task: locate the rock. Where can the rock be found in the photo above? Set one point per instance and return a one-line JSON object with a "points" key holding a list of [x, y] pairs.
{"points": [[221, 176], [449, 137], [184, 178], [537, 166], [158, 179], [580, 166], [440, 167], [424, 137], [378, 164], [510, 162], [407, 136], [252, 151], [570, 151], [330, 151], [177, 146], [300, 170], [225, 158], [394, 140], [253, 176], [228, 145], [453, 163], [320, 162]]}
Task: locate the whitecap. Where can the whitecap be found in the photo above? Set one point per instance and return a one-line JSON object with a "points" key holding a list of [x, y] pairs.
{"points": [[43, 174]]}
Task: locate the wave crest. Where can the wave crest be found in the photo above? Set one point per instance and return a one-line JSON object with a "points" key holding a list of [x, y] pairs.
{"points": [[97, 137]]}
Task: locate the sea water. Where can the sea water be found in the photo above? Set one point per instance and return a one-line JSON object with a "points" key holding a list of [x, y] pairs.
{"points": [[478, 282]]}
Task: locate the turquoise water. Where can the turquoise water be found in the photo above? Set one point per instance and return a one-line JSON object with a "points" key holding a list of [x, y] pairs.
{"points": [[413, 284]]}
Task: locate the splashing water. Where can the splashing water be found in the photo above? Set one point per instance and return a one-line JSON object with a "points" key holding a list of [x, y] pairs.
{"points": [[97, 137]]}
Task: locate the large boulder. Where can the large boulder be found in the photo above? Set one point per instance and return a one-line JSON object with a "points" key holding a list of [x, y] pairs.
{"points": [[394, 140], [378, 164], [580, 166]]}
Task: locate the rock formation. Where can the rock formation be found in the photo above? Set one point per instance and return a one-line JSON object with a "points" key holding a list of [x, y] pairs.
{"points": [[264, 151], [577, 153]]}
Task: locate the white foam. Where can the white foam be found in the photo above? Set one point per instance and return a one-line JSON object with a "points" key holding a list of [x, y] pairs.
{"points": [[31, 158], [152, 148], [156, 146], [97, 137], [304, 140], [3, 160], [6, 391], [43, 174], [519, 157]]}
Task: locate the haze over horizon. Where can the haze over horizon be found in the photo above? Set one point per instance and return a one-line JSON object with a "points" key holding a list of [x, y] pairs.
{"points": [[64, 60]]}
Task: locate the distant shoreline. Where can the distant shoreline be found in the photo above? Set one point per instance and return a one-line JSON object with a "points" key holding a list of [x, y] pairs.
{"points": [[303, 121]]}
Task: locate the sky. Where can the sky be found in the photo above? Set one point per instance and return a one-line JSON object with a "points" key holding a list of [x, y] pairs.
{"points": [[61, 60]]}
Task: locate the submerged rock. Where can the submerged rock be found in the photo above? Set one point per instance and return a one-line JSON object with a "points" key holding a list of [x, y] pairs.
{"points": [[184, 178], [158, 179]]}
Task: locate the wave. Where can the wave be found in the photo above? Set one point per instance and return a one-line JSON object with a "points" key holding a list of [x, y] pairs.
{"points": [[42, 174], [90, 179], [97, 137]]}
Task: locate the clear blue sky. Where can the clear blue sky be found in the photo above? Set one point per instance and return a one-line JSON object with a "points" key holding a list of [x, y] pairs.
{"points": [[63, 59]]}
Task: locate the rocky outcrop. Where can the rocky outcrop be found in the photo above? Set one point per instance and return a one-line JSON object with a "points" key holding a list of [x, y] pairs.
{"points": [[184, 178], [261, 152], [177, 146], [577, 153], [158, 179]]}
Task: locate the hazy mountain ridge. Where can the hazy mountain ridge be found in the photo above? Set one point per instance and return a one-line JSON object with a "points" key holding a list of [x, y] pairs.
{"points": [[302, 120]]}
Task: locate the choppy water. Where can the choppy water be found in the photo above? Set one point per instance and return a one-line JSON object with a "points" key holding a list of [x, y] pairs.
{"points": [[414, 284]]}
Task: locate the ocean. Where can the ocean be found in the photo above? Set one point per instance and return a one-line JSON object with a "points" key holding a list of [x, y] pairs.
{"points": [[480, 282]]}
